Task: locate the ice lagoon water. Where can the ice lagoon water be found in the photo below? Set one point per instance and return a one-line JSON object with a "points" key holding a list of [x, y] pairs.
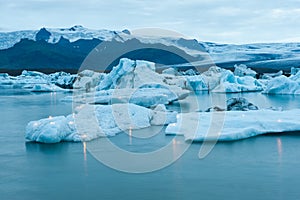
{"points": [[263, 167]]}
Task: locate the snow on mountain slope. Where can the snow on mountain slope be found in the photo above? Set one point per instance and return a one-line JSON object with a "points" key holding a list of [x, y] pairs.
{"points": [[9, 39], [74, 33]]}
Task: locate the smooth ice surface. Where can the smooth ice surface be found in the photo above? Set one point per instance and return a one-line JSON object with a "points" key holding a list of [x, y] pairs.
{"points": [[236, 125]]}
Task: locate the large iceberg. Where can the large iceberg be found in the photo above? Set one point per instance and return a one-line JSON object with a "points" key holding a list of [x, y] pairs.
{"points": [[44, 88], [284, 85], [91, 122], [137, 82], [136, 73], [233, 125]]}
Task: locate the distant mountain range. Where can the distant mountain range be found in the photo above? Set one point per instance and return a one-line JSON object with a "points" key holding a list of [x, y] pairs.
{"points": [[78, 48]]}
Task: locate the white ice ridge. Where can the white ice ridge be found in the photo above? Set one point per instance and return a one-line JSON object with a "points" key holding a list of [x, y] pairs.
{"points": [[97, 121], [233, 125], [75, 33]]}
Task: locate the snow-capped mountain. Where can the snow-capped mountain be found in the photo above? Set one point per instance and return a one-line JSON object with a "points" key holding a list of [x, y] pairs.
{"points": [[52, 49], [72, 34], [77, 32]]}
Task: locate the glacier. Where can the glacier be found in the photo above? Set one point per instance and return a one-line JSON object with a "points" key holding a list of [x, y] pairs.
{"points": [[91, 122], [233, 125], [74, 33]]}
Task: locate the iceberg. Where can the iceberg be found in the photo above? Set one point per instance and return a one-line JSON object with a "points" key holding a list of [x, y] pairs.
{"points": [[52, 130], [39, 82], [236, 125], [62, 79], [240, 104], [294, 70], [197, 83], [147, 96], [235, 104], [134, 74], [88, 79], [137, 82], [95, 121], [272, 75], [242, 70], [284, 85], [171, 71], [45, 88], [221, 80]]}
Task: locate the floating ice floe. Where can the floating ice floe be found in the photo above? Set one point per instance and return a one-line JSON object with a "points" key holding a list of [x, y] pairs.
{"points": [[37, 81], [243, 70], [97, 121], [147, 96], [221, 80], [44, 88], [233, 125], [284, 85], [62, 79], [171, 71], [272, 75], [88, 79]]}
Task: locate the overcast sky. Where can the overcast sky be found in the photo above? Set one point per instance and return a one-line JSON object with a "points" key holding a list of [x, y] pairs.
{"points": [[224, 21]]}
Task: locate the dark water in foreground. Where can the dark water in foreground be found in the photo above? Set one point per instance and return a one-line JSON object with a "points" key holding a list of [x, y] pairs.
{"points": [[263, 167]]}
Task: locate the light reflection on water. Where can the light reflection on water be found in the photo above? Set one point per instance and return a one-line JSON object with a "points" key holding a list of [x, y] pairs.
{"points": [[264, 165]]}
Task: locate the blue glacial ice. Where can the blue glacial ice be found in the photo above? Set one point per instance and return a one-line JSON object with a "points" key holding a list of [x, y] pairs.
{"points": [[284, 85], [91, 122], [220, 80], [39, 82]]}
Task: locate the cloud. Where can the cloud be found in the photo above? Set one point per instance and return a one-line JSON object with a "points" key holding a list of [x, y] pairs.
{"points": [[226, 21]]}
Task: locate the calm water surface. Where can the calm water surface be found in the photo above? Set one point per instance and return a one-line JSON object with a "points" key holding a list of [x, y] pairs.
{"points": [[263, 167]]}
